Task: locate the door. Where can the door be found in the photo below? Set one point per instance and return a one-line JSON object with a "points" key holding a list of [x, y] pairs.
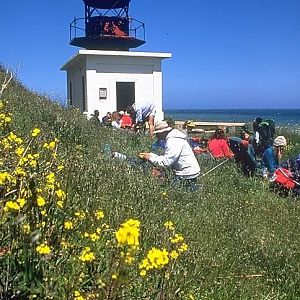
{"points": [[125, 95]]}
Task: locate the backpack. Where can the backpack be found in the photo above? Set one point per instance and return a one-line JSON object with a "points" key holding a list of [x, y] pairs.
{"points": [[244, 155], [264, 131], [284, 178]]}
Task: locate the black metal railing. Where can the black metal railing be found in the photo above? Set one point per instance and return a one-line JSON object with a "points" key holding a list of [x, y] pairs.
{"points": [[77, 29]]}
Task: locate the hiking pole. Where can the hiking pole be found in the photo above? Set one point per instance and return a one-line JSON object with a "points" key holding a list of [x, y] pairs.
{"points": [[220, 164]]}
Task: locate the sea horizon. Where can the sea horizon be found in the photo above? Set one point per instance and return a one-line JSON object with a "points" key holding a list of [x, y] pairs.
{"points": [[282, 117]]}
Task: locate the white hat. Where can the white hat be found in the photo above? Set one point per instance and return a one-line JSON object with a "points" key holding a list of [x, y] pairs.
{"points": [[280, 141], [162, 126], [121, 112]]}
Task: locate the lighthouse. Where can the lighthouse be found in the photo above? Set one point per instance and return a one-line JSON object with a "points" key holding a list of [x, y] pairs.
{"points": [[105, 74]]}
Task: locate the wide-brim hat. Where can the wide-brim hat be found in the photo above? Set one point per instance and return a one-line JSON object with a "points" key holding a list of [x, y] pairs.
{"points": [[189, 123], [161, 127]]}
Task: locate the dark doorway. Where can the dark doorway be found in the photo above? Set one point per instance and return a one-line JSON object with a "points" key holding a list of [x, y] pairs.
{"points": [[125, 95]]}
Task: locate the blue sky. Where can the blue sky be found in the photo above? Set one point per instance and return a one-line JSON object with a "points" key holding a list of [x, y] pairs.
{"points": [[226, 53]]}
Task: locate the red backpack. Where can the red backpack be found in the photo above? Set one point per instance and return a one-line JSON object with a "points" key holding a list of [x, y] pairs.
{"points": [[284, 177]]}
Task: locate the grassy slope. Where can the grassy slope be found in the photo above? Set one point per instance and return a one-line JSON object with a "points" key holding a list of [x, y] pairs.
{"points": [[235, 226]]}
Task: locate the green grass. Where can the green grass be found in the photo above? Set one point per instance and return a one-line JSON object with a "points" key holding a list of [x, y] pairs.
{"points": [[243, 239]]}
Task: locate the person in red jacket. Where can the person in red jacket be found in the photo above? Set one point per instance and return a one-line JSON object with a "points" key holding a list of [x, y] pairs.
{"points": [[126, 121], [218, 146]]}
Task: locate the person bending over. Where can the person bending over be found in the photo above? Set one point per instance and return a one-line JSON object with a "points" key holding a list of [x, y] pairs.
{"points": [[178, 155], [142, 113]]}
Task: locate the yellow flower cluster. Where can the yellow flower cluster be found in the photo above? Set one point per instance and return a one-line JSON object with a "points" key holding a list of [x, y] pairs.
{"points": [[158, 258], [51, 145], [99, 214], [5, 118], [155, 259], [87, 255], [35, 132], [43, 249], [128, 234], [169, 225], [68, 225], [78, 296], [11, 205], [4, 178]]}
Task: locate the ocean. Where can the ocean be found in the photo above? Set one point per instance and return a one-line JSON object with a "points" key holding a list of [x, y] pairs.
{"points": [[282, 117]]}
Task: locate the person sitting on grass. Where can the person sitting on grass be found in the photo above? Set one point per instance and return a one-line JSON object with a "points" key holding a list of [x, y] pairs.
{"points": [[178, 155], [272, 156], [95, 118], [126, 121], [115, 120], [106, 120], [218, 146]]}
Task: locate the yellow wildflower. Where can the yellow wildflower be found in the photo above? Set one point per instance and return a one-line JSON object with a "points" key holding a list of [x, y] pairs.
{"points": [[26, 228], [60, 204], [77, 296], [11, 137], [143, 273], [40, 201], [99, 214], [21, 202], [50, 179], [183, 247], [60, 193], [87, 255], [80, 214], [68, 225], [20, 172], [20, 150], [94, 237], [43, 249], [52, 145], [4, 177], [35, 132], [169, 225], [176, 238], [174, 254], [155, 259], [11, 205], [114, 276], [128, 233]]}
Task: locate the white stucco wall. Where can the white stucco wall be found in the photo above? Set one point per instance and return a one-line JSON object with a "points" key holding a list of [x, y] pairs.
{"points": [[103, 69]]}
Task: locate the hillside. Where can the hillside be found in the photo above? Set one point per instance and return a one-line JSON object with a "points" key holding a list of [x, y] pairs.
{"points": [[62, 201]]}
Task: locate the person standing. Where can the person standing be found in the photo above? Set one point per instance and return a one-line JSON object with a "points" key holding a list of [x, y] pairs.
{"points": [[178, 155], [142, 113]]}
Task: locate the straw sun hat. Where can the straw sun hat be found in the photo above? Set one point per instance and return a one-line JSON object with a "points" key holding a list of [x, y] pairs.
{"points": [[160, 127]]}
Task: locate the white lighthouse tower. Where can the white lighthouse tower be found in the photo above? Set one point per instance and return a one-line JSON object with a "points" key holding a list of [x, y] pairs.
{"points": [[105, 75]]}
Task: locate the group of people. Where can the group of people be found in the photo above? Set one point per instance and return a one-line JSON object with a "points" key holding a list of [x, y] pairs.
{"points": [[134, 118], [251, 150]]}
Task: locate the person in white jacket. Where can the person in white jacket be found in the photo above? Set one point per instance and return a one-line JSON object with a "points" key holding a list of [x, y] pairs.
{"points": [[178, 154]]}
